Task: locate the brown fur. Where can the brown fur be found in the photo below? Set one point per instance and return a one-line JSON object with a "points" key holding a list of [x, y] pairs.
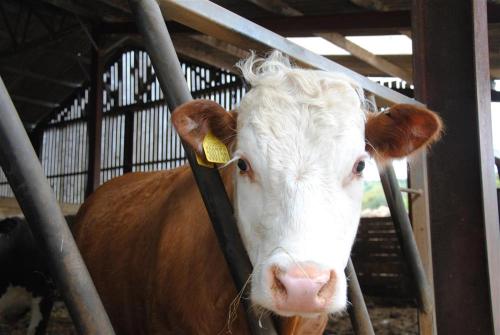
{"points": [[400, 131], [150, 248]]}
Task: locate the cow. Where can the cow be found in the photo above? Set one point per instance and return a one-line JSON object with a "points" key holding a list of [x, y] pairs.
{"points": [[298, 143], [25, 283]]}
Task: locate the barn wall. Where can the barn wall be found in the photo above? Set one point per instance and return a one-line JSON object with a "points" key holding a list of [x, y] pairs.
{"points": [[132, 104]]}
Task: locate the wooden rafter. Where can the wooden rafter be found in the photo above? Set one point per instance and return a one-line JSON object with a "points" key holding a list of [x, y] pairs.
{"points": [[376, 61], [42, 42], [193, 49], [124, 8], [370, 4], [33, 101], [73, 8], [221, 46], [276, 6], [29, 74]]}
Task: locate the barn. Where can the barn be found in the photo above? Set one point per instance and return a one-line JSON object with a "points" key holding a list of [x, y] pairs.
{"points": [[86, 95]]}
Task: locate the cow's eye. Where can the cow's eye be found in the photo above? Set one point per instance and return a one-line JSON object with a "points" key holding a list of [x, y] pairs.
{"points": [[242, 165], [359, 166]]}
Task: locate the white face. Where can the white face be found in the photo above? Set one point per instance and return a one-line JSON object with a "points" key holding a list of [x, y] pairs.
{"points": [[298, 203]]}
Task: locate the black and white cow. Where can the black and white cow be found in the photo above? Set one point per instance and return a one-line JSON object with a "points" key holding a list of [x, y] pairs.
{"points": [[25, 285]]}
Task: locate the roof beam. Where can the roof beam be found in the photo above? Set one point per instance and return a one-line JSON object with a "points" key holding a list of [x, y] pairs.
{"points": [[36, 102], [355, 23], [370, 4], [221, 46], [276, 6], [357, 51], [124, 8], [192, 49], [365, 22], [377, 62], [216, 21], [29, 74], [40, 43], [71, 7]]}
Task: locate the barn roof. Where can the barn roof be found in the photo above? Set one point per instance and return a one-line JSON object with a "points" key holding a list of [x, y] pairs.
{"points": [[45, 45]]}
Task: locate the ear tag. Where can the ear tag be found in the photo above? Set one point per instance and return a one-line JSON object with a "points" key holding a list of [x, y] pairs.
{"points": [[203, 162], [215, 150]]}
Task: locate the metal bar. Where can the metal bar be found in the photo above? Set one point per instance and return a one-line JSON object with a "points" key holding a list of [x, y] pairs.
{"points": [[463, 201], [360, 319], [32, 190], [166, 64], [405, 237], [404, 231], [216, 21], [411, 190]]}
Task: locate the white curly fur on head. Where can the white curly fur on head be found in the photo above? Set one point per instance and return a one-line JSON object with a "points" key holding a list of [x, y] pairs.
{"points": [[276, 68]]}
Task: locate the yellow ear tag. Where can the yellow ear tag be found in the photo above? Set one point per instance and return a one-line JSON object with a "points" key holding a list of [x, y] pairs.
{"points": [[203, 162], [215, 150]]}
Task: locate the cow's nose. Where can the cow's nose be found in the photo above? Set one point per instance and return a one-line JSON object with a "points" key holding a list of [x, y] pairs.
{"points": [[302, 288]]}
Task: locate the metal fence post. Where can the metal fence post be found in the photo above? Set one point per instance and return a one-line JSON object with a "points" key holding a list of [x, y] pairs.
{"points": [[404, 231], [360, 319], [166, 64], [32, 190]]}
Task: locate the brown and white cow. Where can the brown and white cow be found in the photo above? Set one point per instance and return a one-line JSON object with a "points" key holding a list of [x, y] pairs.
{"points": [[299, 140]]}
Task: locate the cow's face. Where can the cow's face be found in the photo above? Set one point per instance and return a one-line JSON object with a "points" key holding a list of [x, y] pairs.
{"points": [[299, 144]]}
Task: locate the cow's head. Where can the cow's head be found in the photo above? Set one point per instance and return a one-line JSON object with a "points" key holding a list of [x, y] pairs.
{"points": [[300, 139]]}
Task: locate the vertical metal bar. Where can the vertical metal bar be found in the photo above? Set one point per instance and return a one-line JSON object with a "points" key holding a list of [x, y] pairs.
{"points": [[405, 233], [25, 175], [360, 319], [161, 50], [405, 236], [463, 209]]}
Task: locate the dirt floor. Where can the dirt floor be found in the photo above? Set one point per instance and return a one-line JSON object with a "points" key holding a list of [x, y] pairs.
{"points": [[401, 320]]}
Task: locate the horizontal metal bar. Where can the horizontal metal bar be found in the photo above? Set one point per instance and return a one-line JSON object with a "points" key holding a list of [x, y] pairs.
{"points": [[38, 203], [410, 190], [213, 20], [72, 174]]}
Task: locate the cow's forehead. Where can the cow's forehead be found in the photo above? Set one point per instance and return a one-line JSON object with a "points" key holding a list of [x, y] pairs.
{"points": [[315, 113]]}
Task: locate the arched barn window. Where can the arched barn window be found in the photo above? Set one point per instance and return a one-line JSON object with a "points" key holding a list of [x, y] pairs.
{"points": [[136, 131]]}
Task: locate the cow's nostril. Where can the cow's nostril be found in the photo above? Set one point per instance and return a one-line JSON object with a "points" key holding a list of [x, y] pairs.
{"points": [[326, 291], [277, 286]]}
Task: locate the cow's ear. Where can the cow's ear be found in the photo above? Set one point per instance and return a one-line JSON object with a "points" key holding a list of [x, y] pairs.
{"points": [[193, 120], [400, 131]]}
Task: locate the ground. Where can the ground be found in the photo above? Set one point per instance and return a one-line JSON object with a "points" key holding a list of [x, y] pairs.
{"points": [[400, 320]]}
